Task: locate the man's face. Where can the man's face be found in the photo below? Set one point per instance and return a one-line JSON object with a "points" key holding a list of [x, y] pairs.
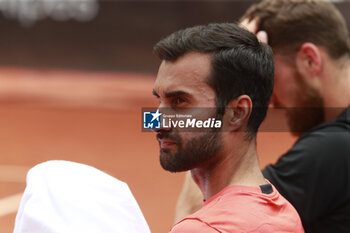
{"points": [[303, 103], [181, 88]]}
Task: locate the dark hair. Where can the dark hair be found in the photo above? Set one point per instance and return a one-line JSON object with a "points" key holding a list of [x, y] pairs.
{"points": [[290, 23], [240, 63]]}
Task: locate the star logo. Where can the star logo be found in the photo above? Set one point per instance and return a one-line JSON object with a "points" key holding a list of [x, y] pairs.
{"points": [[156, 115], [151, 120]]}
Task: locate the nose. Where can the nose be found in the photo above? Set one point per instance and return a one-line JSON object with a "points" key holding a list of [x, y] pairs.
{"points": [[162, 129]]}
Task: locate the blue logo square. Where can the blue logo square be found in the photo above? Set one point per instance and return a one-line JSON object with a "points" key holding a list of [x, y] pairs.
{"points": [[151, 120]]}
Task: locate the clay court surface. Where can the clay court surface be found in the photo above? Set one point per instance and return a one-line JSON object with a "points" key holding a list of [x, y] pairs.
{"points": [[92, 118]]}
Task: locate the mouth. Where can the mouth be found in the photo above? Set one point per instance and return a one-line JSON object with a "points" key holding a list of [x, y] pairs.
{"points": [[166, 143]]}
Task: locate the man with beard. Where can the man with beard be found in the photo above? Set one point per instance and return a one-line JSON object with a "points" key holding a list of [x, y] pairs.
{"points": [[224, 68], [310, 42]]}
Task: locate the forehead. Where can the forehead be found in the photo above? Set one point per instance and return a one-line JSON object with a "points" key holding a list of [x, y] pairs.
{"points": [[188, 73]]}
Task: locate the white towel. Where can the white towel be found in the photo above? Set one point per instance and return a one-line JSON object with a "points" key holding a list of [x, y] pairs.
{"points": [[68, 197]]}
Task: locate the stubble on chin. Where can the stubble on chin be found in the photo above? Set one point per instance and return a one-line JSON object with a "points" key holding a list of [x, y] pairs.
{"points": [[186, 156]]}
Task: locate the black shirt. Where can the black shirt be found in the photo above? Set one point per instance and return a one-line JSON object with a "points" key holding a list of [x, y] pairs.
{"points": [[314, 175]]}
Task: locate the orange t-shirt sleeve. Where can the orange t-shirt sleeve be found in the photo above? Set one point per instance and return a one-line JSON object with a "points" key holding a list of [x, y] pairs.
{"points": [[192, 226]]}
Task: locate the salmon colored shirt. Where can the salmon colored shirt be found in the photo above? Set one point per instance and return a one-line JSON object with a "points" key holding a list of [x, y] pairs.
{"points": [[243, 209]]}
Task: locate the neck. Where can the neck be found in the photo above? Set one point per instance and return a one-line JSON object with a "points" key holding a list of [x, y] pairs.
{"points": [[239, 167]]}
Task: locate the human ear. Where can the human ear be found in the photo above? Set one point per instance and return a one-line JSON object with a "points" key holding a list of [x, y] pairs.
{"points": [[238, 112], [309, 60]]}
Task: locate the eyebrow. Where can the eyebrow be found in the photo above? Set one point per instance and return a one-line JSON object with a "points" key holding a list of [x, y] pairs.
{"points": [[171, 94]]}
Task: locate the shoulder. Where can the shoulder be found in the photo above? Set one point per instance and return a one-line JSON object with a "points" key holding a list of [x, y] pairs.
{"points": [[332, 134], [192, 225], [316, 159], [326, 143], [244, 208]]}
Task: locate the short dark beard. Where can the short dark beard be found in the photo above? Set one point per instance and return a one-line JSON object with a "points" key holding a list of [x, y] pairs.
{"points": [[191, 154]]}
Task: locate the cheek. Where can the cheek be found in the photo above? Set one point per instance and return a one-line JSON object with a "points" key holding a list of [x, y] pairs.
{"points": [[279, 93], [187, 137], [284, 91], [285, 85]]}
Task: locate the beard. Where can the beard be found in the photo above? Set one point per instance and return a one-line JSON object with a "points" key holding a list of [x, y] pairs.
{"points": [[190, 154], [309, 112]]}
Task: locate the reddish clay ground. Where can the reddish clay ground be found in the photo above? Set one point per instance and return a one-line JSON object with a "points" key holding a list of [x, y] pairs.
{"points": [[92, 118]]}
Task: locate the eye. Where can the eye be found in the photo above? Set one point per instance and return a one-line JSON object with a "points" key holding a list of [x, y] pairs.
{"points": [[178, 101]]}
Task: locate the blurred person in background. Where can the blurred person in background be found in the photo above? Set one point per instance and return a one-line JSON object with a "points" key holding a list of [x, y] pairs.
{"points": [[225, 71], [310, 42]]}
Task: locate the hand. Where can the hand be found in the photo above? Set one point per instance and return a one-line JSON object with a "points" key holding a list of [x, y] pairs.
{"points": [[252, 26]]}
